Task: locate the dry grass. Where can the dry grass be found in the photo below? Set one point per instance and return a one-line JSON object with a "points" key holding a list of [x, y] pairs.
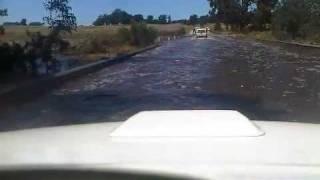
{"points": [[18, 33], [265, 35], [90, 42], [171, 28]]}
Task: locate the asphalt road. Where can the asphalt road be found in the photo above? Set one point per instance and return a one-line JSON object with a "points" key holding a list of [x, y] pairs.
{"points": [[264, 81]]}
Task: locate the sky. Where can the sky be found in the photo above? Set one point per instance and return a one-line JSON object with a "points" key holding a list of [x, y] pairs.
{"points": [[88, 10]]}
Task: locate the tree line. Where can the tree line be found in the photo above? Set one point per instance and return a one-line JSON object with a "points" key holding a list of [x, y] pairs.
{"points": [[23, 22], [119, 16], [296, 18]]}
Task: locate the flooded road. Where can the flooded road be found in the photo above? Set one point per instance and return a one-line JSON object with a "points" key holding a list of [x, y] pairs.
{"points": [[264, 81]]}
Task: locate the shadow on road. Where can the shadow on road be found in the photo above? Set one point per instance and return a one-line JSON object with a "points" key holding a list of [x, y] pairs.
{"points": [[83, 108]]}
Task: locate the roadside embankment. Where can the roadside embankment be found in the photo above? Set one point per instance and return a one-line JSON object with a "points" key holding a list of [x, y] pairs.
{"points": [[34, 88]]}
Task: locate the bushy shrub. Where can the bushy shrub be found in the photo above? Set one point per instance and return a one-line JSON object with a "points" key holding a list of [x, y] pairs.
{"points": [[124, 35], [111, 42], [2, 30], [173, 32], [139, 34], [22, 58], [12, 56], [98, 43], [297, 18], [218, 27], [142, 35], [182, 31], [6, 64]]}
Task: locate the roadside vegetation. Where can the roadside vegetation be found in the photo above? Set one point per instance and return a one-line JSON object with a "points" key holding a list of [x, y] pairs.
{"points": [[111, 41], [289, 20], [25, 47]]}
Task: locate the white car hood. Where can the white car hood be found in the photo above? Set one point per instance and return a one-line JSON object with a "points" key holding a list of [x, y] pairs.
{"points": [[286, 151]]}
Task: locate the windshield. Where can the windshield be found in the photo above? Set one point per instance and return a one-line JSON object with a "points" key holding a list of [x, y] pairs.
{"points": [[201, 31], [76, 62]]}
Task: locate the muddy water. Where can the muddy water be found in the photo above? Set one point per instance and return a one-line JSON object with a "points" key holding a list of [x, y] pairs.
{"points": [[263, 81]]}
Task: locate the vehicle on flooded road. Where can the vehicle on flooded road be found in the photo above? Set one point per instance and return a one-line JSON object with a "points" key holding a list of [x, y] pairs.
{"points": [[201, 32]]}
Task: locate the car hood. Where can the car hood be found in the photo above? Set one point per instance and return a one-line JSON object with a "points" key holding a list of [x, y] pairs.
{"points": [[286, 151]]}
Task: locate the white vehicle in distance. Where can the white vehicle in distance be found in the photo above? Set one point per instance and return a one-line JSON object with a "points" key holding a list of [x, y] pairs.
{"points": [[201, 32]]}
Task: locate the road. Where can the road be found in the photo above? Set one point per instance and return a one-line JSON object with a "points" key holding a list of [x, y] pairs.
{"points": [[264, 81]]}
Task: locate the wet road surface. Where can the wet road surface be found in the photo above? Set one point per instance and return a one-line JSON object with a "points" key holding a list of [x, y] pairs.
{"points": [[264, 81]]}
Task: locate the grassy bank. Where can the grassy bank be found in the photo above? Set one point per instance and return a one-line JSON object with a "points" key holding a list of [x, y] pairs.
{"points": [[268, 35], [18, 33], [87, 44], [93, 42], [311, 39], [21, 47]]}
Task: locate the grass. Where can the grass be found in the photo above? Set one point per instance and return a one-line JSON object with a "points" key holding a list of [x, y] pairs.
{"points": [[313, 39], [18, 33], [91, 42], [269, 36], [265, 35]]}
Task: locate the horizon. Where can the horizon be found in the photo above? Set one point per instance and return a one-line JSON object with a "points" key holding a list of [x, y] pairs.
{"points": [[86, 12]]}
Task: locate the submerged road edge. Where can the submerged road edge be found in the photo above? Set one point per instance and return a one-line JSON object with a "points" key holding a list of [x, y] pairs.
{"points": [[29, 90]]}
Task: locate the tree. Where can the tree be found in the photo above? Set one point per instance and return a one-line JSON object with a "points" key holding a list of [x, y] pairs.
{"points": [[3, 12], [193, 19], [120, 17], [60, 18], [8, 23], [10, 55], [2, 30], [297, 17], [142, 35], [163, 19], [102, 20], [169, 19], [263, 13], [203, 20], [150, 19], [138, 18], [232, 12], [23, 22], [181, 21], [36, 24], [218, 9], [314, 8]]}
